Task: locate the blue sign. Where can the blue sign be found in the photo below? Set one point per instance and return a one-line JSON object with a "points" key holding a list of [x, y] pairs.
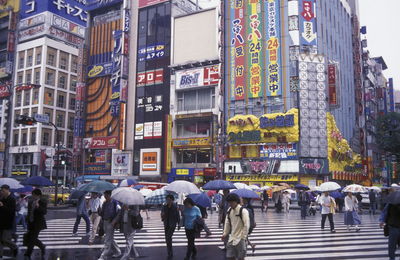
{"points": [[279, 151], [73, 10], [95, 4], [151, 52], [278, 121], [79, 127], [99, 70], [307, 22], [116, 75]]}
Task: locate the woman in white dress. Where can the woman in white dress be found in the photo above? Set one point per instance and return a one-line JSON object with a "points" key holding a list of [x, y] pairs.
{"points": [[351, 217]]}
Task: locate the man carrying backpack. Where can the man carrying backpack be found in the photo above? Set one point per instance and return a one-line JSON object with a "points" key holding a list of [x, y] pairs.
{"points": [[236, 229]]}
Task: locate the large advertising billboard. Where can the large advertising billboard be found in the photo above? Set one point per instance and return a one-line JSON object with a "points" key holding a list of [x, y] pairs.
{"points": [[8, 5]]}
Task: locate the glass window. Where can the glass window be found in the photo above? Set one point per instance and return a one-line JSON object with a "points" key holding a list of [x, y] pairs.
{"points": [[28, 77], [60, 120], [74, 64], [39, 58], [37, 77], [35, 97], [191, 129], [189, 156], [50, 77], [62, 80], [196, 99], [72, 103], [71, 122], [20, 78], [18, 100], [24, 139], [46, 138], [73, 83], [61, 101], [48, 97], [21, 59], [51, 56], [70, 141], [203, 156], [15, 139], [63, 64], [33, 138], [27, 97]]}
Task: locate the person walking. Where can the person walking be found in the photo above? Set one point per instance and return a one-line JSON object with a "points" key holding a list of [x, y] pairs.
{"points": [[304, 202], [7, 218], [109, 213], [204, 216], [223, 208], [351, 217], [126, 216], [247, 205], [390, 220], [277, 198], [264, 201], [236, 229], [37, 209], [94, 210], [372, 201], [190, 214], [171, 217], [286, 202], [359, 199], [328, 206], [22, 211], [81, 212]]}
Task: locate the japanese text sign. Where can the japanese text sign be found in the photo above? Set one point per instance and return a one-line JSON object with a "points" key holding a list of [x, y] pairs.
{"points": [[307, 22]]}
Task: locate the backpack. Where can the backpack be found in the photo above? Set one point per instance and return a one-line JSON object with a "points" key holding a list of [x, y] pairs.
{"points": [[251, 217], [137, 222]]}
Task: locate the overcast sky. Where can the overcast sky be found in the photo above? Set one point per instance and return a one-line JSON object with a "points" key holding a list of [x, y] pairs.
{"points": [[382, 32]]}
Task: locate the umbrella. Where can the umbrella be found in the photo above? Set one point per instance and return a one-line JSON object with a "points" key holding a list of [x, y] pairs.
{"points": [[219, 185], [265, 187], [128, 196], [240, 185], [145, 192], [127, 183], [300, 186], [37, 181], [375, 188], [77, 193], [355, 188], [211, 193], [157, 197], [245, 193], [336, 194], [254, 187], [201, 199], [24, 189], [290, 191], [329, 186], [13, 183], [182, 187], [284, 184], [138, 187], [97, 186], [278, 188], [393, 198]]}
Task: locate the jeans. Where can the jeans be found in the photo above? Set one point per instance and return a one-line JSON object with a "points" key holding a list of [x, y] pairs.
{"points": [[303, 209], [109, 243], [330, 217], [78, 220], [6, 240], [169, 232], [95, 220], [394, 236], [372, 207], [191, 248], [19, 218], [130, 239], [32, 239]]}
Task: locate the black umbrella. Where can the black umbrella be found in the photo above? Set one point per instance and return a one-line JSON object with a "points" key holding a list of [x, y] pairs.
{"points": [[393, 198]]}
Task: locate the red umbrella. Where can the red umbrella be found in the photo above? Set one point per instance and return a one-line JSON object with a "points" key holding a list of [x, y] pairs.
{"points": [[211, 193]]}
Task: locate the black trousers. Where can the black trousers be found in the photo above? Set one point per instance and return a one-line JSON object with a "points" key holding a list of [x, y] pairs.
{"points": [[330, 217], [191, 248], [169, 232], [32, 239]]}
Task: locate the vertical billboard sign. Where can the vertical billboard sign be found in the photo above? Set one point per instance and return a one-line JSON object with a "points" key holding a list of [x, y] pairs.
{"points": [[273, 48], [254, 58], [307, 22], [117, 60], [332, 84], [237, 50]]}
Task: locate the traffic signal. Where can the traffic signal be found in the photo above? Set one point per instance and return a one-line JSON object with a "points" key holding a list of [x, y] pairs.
{"points": [[25, 120]]}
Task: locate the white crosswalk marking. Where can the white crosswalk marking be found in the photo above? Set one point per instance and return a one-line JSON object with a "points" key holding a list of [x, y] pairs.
{"points": [[277, 236]]}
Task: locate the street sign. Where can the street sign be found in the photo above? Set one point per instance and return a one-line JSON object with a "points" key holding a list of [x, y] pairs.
{"points": [[44, 119], [49, 163], [50, 152]]}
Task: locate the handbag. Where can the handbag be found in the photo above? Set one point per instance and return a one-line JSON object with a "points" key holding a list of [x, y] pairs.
{"points": [[137, 222]]}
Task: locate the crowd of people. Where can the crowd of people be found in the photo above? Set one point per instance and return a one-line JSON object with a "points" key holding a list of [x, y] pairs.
{"points": [[104, 215]]}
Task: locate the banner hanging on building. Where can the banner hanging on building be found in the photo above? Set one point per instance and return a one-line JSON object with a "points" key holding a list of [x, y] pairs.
{"points": [[307, 22], [332, 84]]}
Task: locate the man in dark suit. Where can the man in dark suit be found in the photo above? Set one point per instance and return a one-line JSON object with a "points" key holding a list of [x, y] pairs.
{"points": [[7, 218], [170, 216], [37, 209]]}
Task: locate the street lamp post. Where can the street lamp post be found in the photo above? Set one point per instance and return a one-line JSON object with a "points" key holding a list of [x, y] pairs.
{"points": [[57, 167]]}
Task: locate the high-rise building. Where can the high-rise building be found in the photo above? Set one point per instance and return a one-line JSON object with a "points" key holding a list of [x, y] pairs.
{"points": [[45, 84]]}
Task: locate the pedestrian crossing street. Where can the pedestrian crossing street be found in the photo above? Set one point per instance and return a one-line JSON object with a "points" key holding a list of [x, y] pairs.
{"points": [[277, 236]]}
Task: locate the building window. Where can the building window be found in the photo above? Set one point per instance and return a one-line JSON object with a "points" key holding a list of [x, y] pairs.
{"points": [[63, 64], [20, 78], [29, 60], [28, 78], [33, 138], [49, 97], [21, 60], [24, 139], [196, 99], [35, 97], [62, 80], [60, 120], [70, 141], [51, 56], [73, 83], [72, 103], [27, 97], [18, 100], [15, 140], [193, 129], [71, 122], [50, 77], [193, 156], [38, 58], [46, 138], [74, 64], [61, 101], [37, 77]]}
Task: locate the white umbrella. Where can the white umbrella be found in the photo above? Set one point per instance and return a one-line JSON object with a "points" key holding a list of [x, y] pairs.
{"points": [[329, 186], [182, 187], [254, 187], [315, 188], [265, 188], [240, 185], [355, 188], [128, 196], [290, 191], [13, 183], [375, 188], [145, 192]]}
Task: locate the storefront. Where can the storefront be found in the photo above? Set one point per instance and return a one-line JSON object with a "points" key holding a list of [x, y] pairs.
{"points": [[262, 180]]}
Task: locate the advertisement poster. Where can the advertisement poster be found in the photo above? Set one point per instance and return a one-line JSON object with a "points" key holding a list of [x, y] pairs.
{"points": [[148, 130], [150, 160], [139, 130], [121, 164], [307, 22]]}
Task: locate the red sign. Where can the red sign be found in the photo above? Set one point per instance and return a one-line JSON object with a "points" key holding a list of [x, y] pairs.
{"points": [[211, 75], [331, 74], [101, 142], [4, 91], [11, 42], [152, 77], [308, 10], [210, 171], [26, 87], [145, 3]]}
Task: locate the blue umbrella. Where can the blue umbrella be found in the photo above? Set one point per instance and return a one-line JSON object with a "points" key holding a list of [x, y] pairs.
{"points": [[301, 187], [138, 187], [201, 199], [245, 193], [97, 186], [127, 183], [336, 194], [24, 189], [219, 185], [37, 181]]}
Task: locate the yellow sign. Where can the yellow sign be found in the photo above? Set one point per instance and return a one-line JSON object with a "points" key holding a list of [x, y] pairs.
{"points": [[19, 172], [182, 171], [168, 157], [96, 70], [259, 178], [201, 141], [7, 5]]}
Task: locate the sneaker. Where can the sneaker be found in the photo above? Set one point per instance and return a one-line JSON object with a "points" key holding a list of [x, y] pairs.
{"points": [[333, 231]]}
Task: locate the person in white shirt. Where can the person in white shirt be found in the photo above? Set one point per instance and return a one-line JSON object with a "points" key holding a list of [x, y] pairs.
{"points": [[286, 202], [351, 217], [236, 229], [94, 208], [328, 206]]}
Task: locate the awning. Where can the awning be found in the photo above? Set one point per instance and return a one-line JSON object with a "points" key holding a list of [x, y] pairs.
{"points": [[87, 177]]}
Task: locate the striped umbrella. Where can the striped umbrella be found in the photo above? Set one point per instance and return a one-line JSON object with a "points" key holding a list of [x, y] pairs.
{"points": [[157, 197]]}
